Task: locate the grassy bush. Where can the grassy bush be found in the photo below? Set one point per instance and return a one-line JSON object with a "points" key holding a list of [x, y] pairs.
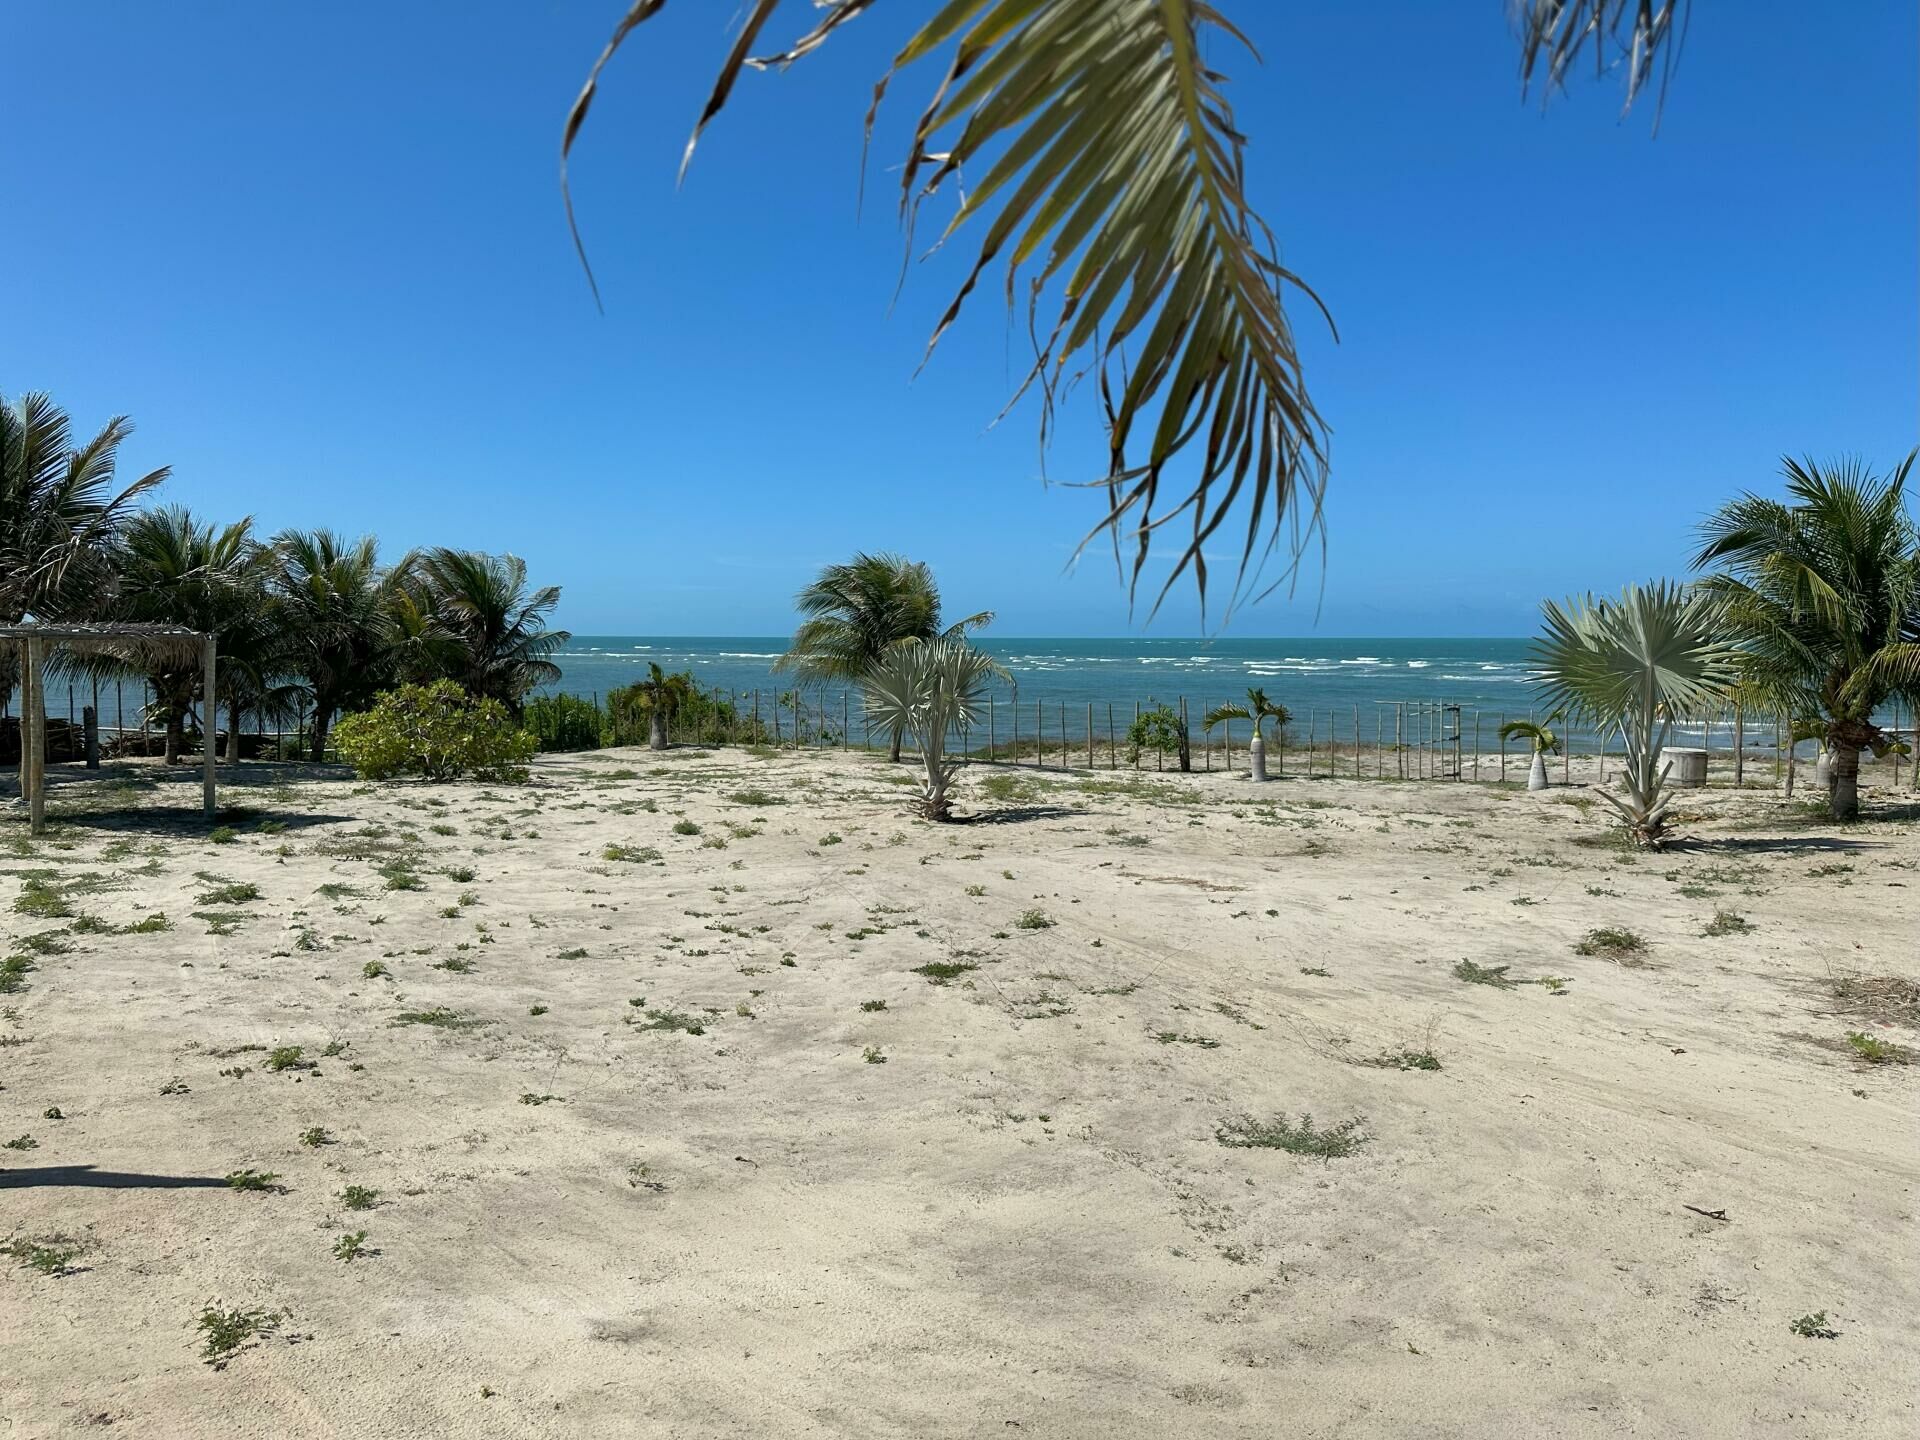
{"points": [[438, 732], [564, 722]]}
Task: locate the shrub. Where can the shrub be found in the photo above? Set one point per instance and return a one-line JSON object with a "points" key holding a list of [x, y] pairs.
{"points": [[438, 732], [564, 722], [1158, 730]]}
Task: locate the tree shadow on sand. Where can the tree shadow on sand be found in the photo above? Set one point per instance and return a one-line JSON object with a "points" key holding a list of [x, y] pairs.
{"points": [[92, 1177], [1021, 814]]}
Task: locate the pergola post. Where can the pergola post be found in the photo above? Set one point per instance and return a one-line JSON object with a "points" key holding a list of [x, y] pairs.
{"points": [[209, 715], [33, 722]]}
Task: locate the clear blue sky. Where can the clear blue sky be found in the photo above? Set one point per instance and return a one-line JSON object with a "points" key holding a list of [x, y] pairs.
{"points": [[318, 254]]}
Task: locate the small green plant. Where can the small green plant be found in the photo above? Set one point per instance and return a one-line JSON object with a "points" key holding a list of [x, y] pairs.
{"points": [[1304, 1138], [1494, 975], [436, 732], [439, 1018], [359, 1197], [233, 893], [1611, 942], [1034, 920], [631, 854], [1179, 1037], [1876, 1051], [673, 1020], [755, 797], [23, 1142], [41, 901], [351, 1247], [49, 1258], [1727, 922], [873, 1055], [529, 1098], [374, 969], [1405, 1060], [261, 1180], [223, 835], [940, 972], [1813, 1327], [536, 1010], [225, 1331], [685, 827], [460, 875], [872, 1005], [286, 1057], [1319, 970], [314, 1136]]}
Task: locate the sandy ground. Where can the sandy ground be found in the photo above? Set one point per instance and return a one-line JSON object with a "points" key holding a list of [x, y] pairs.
{"points": [[999, 1205]]}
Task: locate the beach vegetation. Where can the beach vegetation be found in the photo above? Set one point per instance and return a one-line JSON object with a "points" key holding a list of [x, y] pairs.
{"points": [[930, 689], [436, 732]]}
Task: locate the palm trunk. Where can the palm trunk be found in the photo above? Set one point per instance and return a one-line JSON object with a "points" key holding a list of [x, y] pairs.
{"points": [[657, 730], [322, 723], [233, 733], [1843, 794], [176, 735], [893, 746], [1537, 775]]}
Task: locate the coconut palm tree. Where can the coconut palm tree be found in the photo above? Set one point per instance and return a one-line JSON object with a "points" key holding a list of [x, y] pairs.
{"points": [[1257, 711], [930, 688], [858, 611], [60, 515], [1544, 741], [1103, 164], [332, 600], [1637, 664], [176, 570], [498, 642], [1823, 589]]}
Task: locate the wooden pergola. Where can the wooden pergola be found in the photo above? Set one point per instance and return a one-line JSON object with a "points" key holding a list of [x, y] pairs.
{"points": [[133, 644]]}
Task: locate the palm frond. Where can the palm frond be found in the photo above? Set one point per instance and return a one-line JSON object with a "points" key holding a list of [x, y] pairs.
{"points": [[1112, 178], [1635, 36]]}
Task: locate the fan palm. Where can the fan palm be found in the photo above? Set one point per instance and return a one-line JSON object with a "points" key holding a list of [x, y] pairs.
{"points": [[1257, 711], [333, 604], [498, 642], [1637, 664], [858, 611], [930, 688], [1544, 741], [60, 515], [176, 570], [1823, 590], [1106, 170]]}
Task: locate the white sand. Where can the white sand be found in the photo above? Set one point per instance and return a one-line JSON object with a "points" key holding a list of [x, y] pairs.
{"points": [[1021, 1222]]}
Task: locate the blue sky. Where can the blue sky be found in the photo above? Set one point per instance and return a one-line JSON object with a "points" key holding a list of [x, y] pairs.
{"points": [[318, 254]]}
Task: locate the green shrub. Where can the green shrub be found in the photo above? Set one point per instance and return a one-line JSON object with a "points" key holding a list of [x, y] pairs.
{"points": [[565, 722], [438, 732], [1158, 730]]}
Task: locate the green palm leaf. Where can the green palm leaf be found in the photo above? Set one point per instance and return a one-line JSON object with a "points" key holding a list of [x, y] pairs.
{"points": [[1111, 183]]}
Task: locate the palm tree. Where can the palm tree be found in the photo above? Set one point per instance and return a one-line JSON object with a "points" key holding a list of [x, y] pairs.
{"points": [[930, 687], [659, 696], [1544, 741], [332, 601], [176, 570], [499, 642], [60, 515], [1256, 712], [1823, 589], [1637, 664], [858, 611], [1104, 164]]}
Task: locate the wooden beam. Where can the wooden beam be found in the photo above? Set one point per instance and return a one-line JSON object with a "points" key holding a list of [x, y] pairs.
{"points": [[209, 717], [33, 718]]}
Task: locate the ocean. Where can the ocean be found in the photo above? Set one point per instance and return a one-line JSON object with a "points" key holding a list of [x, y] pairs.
{"points": [[1320, 674]]}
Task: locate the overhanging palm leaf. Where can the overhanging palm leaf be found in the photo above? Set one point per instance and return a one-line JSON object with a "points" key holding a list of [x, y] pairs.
{"points": [[1112, 176], [1633, 35]]}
